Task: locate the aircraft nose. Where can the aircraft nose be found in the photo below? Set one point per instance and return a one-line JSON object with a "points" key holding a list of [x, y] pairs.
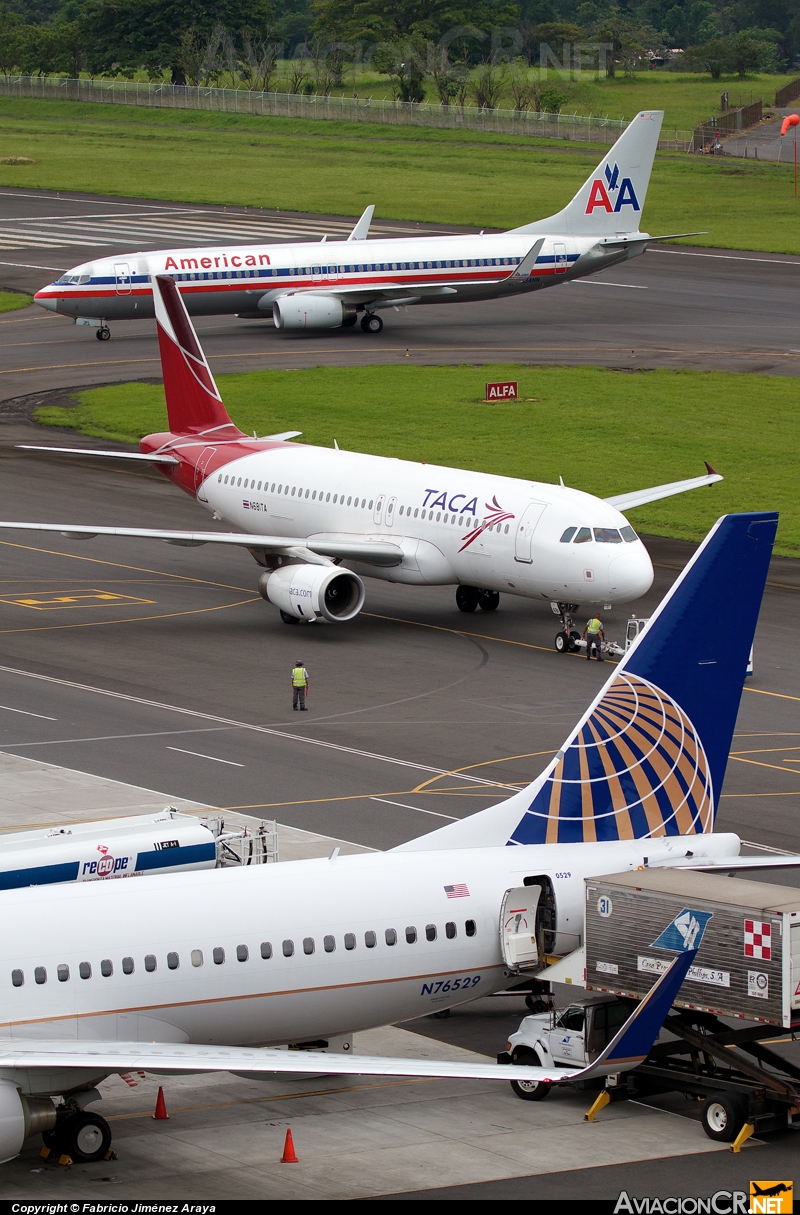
{"points": [[45, 300], [631, 574]]}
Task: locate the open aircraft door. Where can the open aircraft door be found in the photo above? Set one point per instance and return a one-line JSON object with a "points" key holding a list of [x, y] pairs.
{"points": [[518, 928]]}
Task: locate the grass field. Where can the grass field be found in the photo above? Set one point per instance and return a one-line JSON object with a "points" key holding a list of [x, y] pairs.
{"points": [[603, 431], [10, 301], [409, 173]]}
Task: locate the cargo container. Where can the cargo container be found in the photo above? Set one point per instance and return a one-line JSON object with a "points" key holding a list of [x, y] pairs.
{"points": [[748, 965]]}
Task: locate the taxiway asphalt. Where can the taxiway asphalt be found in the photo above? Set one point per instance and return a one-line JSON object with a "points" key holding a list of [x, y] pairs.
{"points": [[162, 666], [673, 307]]}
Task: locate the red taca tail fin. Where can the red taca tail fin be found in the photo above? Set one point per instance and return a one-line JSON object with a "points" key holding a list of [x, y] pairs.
{"points": [[194, 405]]}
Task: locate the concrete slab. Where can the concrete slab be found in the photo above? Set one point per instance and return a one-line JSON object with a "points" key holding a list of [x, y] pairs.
{"points": [[37, 794]]}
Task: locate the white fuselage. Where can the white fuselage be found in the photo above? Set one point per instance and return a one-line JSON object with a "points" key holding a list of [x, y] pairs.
{"points": [[289, 952], [249, 279], [454, 526]]}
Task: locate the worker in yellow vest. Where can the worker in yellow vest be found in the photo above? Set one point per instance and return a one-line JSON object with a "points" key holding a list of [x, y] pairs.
{"points": [[594, 636], [299, 687]]}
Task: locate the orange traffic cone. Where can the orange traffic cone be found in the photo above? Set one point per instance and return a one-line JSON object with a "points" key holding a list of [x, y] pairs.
{"points": [[161, 1106], [289, 1155]]}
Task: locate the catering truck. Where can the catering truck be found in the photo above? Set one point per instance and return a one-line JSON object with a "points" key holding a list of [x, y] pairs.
{"points": [[743, 990]]}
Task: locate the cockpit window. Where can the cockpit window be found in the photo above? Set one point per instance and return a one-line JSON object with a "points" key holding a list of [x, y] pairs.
{"points": [[84, 278], [607, 535], [568, 534], [584, 534], [75, 278], [628, 534]]}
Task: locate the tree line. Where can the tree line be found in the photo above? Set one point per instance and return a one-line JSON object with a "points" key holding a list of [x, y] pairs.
{"points": [[476, 49]]}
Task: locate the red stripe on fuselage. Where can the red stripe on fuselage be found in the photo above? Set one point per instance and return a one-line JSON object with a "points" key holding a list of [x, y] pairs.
{"points": [[255, 285]]}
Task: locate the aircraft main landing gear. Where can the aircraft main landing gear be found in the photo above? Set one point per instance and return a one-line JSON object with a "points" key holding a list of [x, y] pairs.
{"points": [[103, 333], [83, 1136], [467, 598], [371, 323], [489, 601]]}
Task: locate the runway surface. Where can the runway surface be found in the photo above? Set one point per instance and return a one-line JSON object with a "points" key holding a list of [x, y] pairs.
{"points": [[163, 667], [673, 307]]}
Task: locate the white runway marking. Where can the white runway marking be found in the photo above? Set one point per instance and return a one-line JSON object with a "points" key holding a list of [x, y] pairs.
{"points": [[726, 257], [243, 725], [25, 713], [175, 228], [418, 809], [593, 282], [200, 755]]}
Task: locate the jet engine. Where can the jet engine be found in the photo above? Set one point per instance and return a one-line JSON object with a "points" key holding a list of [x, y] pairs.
{"points": [[306, 310], [20, 1117], [306, 592]]}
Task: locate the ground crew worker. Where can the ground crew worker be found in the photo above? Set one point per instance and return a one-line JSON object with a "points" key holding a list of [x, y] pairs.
{"points": [[299, 687], [594, 634]]}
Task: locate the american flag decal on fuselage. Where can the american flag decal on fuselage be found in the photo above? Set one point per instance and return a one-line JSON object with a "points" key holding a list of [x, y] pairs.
{"points": [[459, 891]]}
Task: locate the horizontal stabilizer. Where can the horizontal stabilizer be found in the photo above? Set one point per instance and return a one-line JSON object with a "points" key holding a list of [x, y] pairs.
{"points": [[640, 497], [621, 242], [110, 455]]}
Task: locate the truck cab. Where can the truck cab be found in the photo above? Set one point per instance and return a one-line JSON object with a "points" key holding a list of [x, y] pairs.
{"points": [[569, 1037]]}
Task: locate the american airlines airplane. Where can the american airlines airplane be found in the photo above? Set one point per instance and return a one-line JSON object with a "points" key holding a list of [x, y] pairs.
{"points": [[210, 971], [308, 509], [328, 285]]}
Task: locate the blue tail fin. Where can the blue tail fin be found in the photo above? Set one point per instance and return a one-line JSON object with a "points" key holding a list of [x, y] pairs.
{"points": [[648, 757]]}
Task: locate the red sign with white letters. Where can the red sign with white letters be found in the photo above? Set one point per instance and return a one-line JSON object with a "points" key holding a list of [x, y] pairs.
{"points": [[506, 391]]}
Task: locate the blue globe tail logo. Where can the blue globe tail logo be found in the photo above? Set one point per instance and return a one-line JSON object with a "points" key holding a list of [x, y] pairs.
{"points": [[635, 769]]}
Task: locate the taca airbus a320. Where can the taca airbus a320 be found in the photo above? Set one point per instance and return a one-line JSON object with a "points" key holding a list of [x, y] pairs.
{"points": [[329, 285], [308, 509]]}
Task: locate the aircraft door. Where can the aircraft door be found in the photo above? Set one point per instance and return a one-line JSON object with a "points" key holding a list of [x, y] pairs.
{"points": [[379, 501], [525, 529], [390, 505], [560, 258], [518, 928], [122, 277], [201, 470]]}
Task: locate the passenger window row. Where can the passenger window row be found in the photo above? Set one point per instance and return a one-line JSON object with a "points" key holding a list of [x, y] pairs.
{"points": [[603, 535], [242, 953], [339, 499]]}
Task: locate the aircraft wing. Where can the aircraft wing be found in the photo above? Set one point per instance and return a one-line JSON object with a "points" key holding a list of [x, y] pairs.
{"points": [[639, 497], [629, 1047], [373, 552]]}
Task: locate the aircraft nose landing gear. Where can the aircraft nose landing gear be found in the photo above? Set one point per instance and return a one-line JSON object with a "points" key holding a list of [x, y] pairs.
{"points": [[567, 639]]}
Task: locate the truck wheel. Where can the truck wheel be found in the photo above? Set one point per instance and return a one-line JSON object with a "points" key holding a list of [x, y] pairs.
{"points": [[530, 1090], [723, 1116]]}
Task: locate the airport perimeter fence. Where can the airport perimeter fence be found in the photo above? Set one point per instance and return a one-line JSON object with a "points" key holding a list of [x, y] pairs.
{"points": [[705, 136], [787, 94], [347, 109]]}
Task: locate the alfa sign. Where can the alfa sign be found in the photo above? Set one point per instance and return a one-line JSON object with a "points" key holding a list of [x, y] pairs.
{"points": [[506, 391]]}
